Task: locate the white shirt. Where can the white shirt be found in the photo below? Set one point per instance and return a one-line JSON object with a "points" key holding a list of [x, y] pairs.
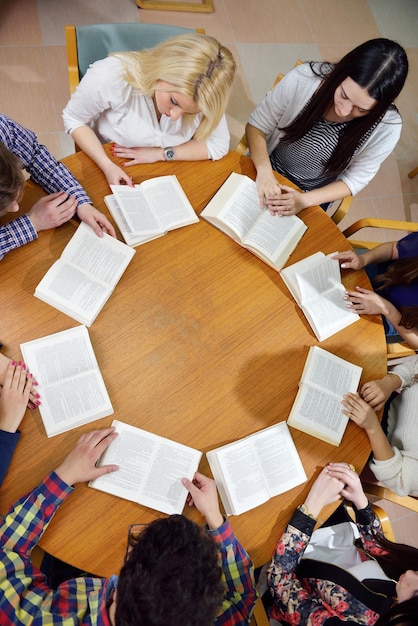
{"points": [[400, 472], [119, 113], [284, 103]]}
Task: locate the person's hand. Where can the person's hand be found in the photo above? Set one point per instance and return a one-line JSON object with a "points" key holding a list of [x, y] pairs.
{"points": [[98, 221], [350, 260], [376, 392], [268, 188], [204, 496], [14, 397], [366, 302], [360, 412], [116, 176], [52, 211], [325, 490], [289, 202], [5, 363], [352, 488], [137, 156], [80, 464]]}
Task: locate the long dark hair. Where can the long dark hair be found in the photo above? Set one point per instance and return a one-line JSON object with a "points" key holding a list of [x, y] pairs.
{"points": [[393, 558], [402, 614], [402, 272], [378, 65]]}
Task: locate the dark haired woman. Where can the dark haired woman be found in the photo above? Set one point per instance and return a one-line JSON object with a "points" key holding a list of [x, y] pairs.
{"points": [[328, 127], [393, 271], [343, 573]]}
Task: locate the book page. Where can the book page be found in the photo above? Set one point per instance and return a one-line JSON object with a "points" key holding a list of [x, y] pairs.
{"points": [[239, 475], [150, 469], [72, 292], [328, 313], [137, 210], [169, 202], [82, 280], [282, 467], [131, 238], [102, 258], [273, 235], [317, 409], [318, 279], [70, 383], [235, 207], [325, 370], [290, 273], [319, 413]]}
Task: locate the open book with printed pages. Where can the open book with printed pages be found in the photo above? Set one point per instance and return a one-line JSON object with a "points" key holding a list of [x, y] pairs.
{"points": [[250, 471], [71, 385], [235, 210], [150, 210], [315, 283], [81, 281], [317, 409], [150, 469]]}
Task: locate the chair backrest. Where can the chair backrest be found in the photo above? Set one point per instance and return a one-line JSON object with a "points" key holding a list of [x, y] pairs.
{"points": [[86, 44], [384, 493]]}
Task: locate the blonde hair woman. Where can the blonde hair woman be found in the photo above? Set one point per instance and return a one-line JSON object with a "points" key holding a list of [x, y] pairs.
{"points": [[162, 103]]}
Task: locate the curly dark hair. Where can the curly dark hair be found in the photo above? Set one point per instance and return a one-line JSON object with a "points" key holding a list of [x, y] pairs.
{"points": [[12, 180], [172, 576]]}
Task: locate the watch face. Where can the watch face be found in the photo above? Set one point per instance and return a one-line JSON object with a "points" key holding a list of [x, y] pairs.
{"points": [[169, 154]]}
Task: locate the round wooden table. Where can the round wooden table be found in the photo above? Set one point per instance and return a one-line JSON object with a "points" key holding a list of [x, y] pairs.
{"points": [[200, 342]]}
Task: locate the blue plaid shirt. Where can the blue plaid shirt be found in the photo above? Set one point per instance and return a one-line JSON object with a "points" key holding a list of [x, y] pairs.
{"points": [[44, 169], [27, 600]]}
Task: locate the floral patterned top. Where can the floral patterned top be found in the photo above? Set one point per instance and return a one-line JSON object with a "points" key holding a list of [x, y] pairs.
{"points": [[314, 600]]}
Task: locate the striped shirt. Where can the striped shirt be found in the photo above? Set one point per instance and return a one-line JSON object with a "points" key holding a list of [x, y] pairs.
{"points": [[27, 600], [303, 161], [44, 169]]}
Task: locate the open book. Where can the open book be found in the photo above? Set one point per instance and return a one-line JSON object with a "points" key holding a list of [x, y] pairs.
{"points": [[315, 284], [235, 210], [150, 469], [150, 210], [84, 277], [71, 385], [317, 409], [252, 470]]}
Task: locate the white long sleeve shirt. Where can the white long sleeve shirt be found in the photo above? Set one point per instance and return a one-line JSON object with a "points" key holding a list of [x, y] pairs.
{"points": [[400, 472], [284, 103], [119, 113]]}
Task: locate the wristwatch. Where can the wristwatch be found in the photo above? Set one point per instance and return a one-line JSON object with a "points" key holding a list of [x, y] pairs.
{"points": [[169, 154]]}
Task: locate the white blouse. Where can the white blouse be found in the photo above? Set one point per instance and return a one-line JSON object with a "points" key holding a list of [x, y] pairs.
{"points": [[119, 113]]}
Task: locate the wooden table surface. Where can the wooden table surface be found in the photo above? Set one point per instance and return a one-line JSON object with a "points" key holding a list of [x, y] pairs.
{"points": [[200, 342]]}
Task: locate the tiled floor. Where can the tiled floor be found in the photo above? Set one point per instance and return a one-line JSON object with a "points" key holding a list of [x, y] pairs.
{"points": [[266, 36]]}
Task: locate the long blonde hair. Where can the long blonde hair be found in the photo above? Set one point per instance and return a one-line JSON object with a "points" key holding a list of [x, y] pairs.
{"points": [[197, 66]]}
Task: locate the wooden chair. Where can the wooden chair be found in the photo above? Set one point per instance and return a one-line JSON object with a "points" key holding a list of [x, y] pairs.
{"points": [[384, 493], [344, 204], [206, 6], [394, 350], [86, 44]]}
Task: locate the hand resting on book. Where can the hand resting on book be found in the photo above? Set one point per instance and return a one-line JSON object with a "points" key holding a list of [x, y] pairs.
{"points": [[80, 464], [204, 496]]}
